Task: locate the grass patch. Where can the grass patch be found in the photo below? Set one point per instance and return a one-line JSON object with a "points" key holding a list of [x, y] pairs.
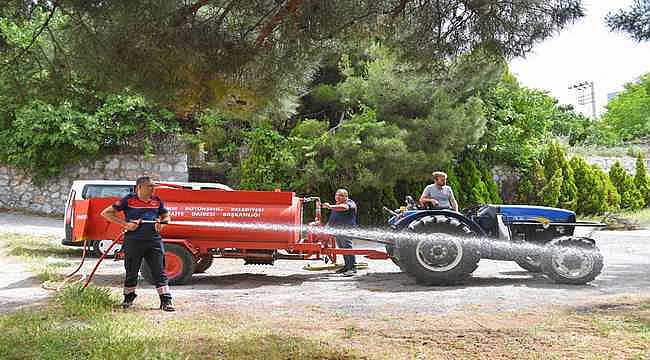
{"points": [[43, 255], [36, 246], [641, 218], [89, 325], [86, 303]]}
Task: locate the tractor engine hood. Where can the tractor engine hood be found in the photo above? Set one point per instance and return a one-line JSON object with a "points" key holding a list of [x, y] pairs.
{"points": [[536, 213]]}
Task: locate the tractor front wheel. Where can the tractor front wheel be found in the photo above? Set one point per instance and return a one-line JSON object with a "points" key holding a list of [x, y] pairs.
{"points": [[532, 263], [574, 261], [438, 250]]}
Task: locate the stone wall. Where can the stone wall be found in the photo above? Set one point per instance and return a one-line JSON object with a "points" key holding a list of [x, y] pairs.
{"points": [[18, 191], [605, 163], [507, 180]]}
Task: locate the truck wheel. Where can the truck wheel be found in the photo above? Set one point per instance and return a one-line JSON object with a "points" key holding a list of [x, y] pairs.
{"points": [[573, 261], [202, 264], [179, 266], [532, 263], [441, 251]]}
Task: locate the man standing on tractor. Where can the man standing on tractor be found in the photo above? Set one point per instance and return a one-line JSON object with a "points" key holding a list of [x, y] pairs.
{"points": [[438, 194], [343, 215], [142, 240]]}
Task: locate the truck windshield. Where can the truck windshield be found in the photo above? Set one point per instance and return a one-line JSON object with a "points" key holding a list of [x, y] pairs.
{"points": [[102, 191]]}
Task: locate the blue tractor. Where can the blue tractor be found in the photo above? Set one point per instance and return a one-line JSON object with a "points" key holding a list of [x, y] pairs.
{"points": [[443, 247]]}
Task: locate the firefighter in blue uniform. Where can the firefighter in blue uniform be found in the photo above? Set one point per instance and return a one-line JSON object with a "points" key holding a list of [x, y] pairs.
{"points": [[142, 240], [343, 215]]}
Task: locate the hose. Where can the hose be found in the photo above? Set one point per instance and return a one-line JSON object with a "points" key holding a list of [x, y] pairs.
{"points": [[70, 275], [88, 278], [92, 273]]}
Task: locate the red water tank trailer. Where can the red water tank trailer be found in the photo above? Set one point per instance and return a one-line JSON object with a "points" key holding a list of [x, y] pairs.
{"points": [[257, 226]]}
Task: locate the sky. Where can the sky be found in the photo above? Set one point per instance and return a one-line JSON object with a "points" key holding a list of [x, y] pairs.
{"points": [[585, 51]]}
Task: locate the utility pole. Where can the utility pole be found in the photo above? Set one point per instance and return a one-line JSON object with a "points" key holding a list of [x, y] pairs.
{"points": [[586, 94]]}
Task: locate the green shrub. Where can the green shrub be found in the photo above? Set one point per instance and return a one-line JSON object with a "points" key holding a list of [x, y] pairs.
{"points": [[530, 186], [525, 192], [493, 196], [592, 191], [613, 198], [555, 159], [631, 198], [551, 192], [44, 137], [642, 180], [270, 162], [474, 191]]}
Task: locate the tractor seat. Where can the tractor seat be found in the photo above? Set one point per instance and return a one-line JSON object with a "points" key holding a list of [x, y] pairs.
{"points": [[487, 219]]}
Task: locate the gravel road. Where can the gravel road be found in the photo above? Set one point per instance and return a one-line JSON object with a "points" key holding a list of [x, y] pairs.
{"points": [[381, 290]]}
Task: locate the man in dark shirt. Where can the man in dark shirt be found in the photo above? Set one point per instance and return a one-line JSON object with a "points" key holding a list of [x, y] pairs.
{"points": [[142, 240], [343, 215]]}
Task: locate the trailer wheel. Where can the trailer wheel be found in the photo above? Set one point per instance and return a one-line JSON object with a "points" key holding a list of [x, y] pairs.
{"points": [[574, 261], [179, 266], [100, 246], [441, 251], [532, 263], [202, 264]]}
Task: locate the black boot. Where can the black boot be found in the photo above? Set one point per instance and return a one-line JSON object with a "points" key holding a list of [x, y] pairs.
{"points": [[128, 300], [166, 303]]}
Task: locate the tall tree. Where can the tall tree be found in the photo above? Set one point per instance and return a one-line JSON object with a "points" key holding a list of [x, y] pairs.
{"points": [[635, 20], [628, 114], [241, 55]]}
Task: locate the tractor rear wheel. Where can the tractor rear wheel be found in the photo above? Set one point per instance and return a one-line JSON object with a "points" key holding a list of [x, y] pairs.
{"points": [[179, 266], [574, 261], [440, 252]]}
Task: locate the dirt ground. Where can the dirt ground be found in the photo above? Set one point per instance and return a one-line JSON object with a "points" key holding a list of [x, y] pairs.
{"points": [[380, 291], [380, 308]]}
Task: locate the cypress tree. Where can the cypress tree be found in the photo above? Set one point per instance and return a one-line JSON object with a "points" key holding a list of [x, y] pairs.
{"points": [[592, 193], [642, 180], [550, 194], [474, 189], [554, 160], [612, 198], [493, 190], [631, 198]]}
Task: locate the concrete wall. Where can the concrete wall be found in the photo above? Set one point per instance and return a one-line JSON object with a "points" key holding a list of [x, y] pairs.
{"points": [[18, 191]]}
